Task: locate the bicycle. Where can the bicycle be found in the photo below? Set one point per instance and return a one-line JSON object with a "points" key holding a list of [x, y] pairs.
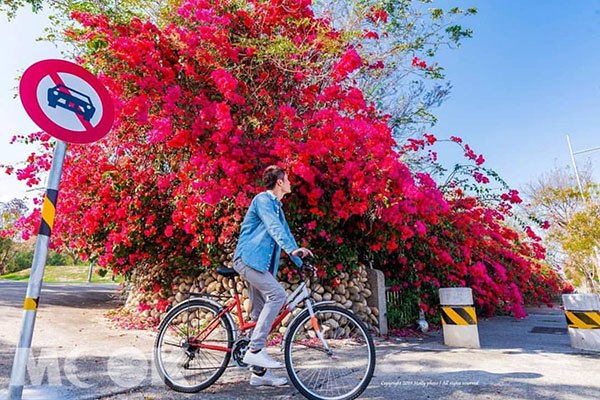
{"points": [[328, 351]]}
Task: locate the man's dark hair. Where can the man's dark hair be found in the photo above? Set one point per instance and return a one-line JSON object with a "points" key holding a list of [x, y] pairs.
{"points": [[271, 175]]}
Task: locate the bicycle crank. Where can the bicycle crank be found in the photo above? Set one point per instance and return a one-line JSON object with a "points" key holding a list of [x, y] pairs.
{"points": [[238, 351]]}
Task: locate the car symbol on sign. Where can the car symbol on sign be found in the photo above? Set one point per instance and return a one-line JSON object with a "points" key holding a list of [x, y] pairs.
{"points": [[72, 100]]}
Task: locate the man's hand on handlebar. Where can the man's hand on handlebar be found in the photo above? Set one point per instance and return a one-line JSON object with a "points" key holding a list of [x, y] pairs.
{"points": [[307, 266], [302, 252]]}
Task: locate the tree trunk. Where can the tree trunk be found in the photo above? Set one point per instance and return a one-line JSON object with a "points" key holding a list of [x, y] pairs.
{"points": [[593, 273]]}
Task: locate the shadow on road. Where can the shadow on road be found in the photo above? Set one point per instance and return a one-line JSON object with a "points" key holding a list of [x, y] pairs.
{"points": [[474, 384], [77, 295]]}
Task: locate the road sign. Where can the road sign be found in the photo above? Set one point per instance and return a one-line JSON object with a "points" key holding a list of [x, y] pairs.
{"points": [[66, 101], [71, 104]]}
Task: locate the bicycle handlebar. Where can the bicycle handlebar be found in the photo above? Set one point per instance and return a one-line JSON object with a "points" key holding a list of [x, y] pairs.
{"points": [[307, 263]]}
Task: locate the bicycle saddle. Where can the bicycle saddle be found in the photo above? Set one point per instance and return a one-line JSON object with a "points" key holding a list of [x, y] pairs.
{"points": [[227, 272]]}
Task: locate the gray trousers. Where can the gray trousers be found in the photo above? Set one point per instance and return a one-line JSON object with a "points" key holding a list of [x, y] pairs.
{"points": [[267, 297]]}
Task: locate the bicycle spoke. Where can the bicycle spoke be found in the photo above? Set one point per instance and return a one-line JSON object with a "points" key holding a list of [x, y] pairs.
{"points": [[335, 373], [173, 344], [184, 364]]}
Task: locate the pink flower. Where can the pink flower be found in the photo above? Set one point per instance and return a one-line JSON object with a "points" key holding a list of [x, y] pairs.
{"points": [[512, 196], [349, 62], [162, 304], [419, 63], [377, 15], [370, 35], [420, 228], [223, 117], [227, 85], [545, 225], [500, 271], [430, 138]]}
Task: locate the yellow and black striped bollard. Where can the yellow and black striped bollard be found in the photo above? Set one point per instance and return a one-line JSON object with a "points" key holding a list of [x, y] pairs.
{"points": [[459, 316], [582, 314], [583, 319], [459, 321]]}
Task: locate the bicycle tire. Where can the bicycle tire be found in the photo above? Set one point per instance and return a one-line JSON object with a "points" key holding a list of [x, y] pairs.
{"points": [[304, 318], [162, 331]]}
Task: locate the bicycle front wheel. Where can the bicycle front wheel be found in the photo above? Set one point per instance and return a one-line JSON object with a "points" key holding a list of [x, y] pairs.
{"points": [[188, 349], [343, 369]]}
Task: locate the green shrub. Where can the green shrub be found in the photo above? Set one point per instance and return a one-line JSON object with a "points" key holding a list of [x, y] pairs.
{"points": [[22, 260], [55, 258]]}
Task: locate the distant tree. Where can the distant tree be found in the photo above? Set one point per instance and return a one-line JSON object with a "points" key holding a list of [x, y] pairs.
{"points": [[10, 212], [573, 216], [6, 253], [580, 239], [72, 253]]}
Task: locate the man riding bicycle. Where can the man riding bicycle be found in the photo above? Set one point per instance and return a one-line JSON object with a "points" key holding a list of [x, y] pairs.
{"points": [[263, 234]]}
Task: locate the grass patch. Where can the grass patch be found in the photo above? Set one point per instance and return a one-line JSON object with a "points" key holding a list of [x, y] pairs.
{"points": [[63, 274]]}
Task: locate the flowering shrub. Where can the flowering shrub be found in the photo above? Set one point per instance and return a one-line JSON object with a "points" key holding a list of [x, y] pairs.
{"points": [[207, 101]]}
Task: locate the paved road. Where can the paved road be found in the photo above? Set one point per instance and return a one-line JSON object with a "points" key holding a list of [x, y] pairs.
{"points": [[73, 295], [75, 343]]}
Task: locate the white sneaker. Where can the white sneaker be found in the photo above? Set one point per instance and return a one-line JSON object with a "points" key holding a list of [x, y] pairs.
{"points": [[261, 359], [268, 379]]}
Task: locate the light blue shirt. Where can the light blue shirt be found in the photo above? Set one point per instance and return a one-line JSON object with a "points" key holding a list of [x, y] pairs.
{"points": [[264, 233]]}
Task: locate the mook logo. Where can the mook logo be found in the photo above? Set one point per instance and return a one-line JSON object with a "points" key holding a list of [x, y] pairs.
{"points": [[77, 375]]}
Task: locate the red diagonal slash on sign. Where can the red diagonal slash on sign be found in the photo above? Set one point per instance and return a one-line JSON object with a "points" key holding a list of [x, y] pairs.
{"points": [[57, 81], [29, 89]]}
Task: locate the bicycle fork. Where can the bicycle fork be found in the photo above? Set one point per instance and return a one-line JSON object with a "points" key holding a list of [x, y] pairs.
{"points": [[315, 324], [296, 297]]}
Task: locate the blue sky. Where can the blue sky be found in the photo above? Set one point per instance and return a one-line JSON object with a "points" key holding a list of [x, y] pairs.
{"points": [[527, 78], [18, 50]]}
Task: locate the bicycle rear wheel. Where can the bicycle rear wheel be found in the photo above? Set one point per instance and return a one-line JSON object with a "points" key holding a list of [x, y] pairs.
{"points": [[181, 362], [341, 373]]}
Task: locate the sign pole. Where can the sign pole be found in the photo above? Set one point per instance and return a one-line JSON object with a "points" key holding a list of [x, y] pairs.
{"points": [[17, 376], [71, 104]]}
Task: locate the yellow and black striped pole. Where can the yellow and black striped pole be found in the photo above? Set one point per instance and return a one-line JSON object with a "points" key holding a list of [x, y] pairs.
{"points": [[30, 306]]}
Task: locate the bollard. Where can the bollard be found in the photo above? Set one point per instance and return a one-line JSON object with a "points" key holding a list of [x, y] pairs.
{"points": [[582, 312], [459, 321], [377, 298]]}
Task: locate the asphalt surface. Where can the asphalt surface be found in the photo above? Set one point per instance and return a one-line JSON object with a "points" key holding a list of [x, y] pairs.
{"points": [[77, 355]]}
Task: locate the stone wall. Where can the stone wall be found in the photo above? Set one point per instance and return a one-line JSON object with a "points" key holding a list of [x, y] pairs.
{"points": [[352, 294]]}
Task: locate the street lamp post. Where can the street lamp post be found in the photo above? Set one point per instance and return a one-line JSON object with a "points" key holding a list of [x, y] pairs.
{"points": [[573, 154]]}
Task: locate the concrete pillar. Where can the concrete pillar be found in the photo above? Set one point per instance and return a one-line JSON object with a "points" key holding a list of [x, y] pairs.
{"points": [[459, 321], [582, 312], [377, 299]]}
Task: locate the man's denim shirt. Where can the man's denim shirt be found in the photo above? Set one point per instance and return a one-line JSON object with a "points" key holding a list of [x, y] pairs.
{"points": [[264, 233]]}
